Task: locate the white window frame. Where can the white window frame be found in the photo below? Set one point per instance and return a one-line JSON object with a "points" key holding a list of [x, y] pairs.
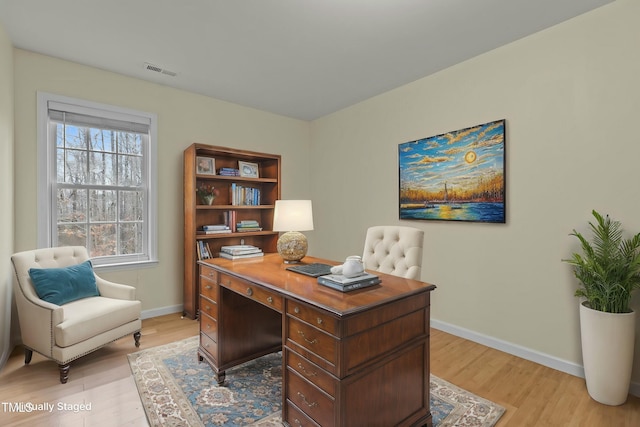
{"points": [[47, 178]]}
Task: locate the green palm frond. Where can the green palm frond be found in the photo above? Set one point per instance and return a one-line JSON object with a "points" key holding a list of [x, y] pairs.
{"points": [[608, 267]]}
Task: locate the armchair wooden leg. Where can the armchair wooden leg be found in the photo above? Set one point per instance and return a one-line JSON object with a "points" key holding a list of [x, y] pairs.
{"points": [[136, 337], [64, 372], [27, 356]]}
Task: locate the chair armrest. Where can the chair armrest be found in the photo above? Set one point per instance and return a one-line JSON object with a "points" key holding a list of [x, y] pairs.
{"points": [[115, 290], [38, 319], [52, 313]]}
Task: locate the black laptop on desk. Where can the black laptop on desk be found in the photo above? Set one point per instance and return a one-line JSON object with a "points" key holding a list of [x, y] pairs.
{"points": [[315, 269]]}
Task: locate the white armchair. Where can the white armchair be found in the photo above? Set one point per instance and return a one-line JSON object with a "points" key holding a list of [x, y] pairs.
{"points": [[68, 331], [394, 250]]}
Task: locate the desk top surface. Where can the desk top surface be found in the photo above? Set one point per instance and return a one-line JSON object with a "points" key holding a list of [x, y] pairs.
{"points": [[270, 271]]}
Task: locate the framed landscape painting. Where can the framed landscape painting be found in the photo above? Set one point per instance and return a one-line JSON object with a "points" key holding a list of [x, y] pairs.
{"points": [[456, 176]]}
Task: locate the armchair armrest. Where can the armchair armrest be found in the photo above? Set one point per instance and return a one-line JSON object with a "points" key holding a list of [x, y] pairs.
{"points": [[33, 313], [115, 290]]}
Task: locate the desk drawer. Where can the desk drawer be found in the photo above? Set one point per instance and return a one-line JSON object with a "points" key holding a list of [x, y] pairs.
{"points": [[312, 316], [209, 307], [313, 339], [297, 418], [310, 400], [311, 372], [209, 326], [208, 289], [253, 291], [209, 345], [209, 273]]}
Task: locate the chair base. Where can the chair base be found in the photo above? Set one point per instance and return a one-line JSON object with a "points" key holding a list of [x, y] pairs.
{"points": [[64, 368], [64, 372]]}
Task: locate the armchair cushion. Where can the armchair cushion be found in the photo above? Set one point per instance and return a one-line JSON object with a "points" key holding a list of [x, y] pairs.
{"points": [[62, 285], [90, 317]]}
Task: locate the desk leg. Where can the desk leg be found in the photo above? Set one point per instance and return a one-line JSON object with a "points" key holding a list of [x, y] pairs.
{"points": [[220, 375]]}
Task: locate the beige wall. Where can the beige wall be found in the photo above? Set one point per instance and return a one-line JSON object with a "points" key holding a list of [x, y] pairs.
{"points": [[183, 118], [571, 99], [6, 191]]}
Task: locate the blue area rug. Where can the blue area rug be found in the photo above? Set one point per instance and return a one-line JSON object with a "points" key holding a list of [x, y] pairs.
{"points": [[177, 390]]}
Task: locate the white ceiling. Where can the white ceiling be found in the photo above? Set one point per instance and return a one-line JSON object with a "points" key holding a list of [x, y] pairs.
{"points": [[298, 58]]}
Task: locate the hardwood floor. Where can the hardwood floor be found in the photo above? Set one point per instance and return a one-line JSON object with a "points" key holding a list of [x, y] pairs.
{"points": [[532, 394]]}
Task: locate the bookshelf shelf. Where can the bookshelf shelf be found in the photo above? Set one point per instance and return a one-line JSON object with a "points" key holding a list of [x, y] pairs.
{"points": [[265, 188], [234, 207]]}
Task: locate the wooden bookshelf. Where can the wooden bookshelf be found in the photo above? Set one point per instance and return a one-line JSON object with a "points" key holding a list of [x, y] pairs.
{"points": [[197, 214]]}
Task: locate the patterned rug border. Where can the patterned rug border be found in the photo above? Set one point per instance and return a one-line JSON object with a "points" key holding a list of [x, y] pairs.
{"points": [[165, 403]]}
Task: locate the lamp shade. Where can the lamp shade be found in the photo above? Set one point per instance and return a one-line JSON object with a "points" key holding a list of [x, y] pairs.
{"points": [[293, 215]]}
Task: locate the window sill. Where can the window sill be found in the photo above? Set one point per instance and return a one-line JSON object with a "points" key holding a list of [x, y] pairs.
{"points": [[126, 265]]}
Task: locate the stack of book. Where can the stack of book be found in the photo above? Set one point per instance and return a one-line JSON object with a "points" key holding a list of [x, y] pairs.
{"points": [[345, 284], [229, 172], [248, 225], [214, 229], [240, 251]]}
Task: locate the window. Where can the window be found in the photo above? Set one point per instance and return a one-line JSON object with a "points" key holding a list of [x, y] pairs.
{"points": [[97, 180]]}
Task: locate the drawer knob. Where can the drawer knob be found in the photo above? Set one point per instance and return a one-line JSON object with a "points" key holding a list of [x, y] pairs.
{"points": [[297, 421], [208, 287], [207, 307], [211, 274], [304, 399], [307, 373], [313, 341], [319, 321], [296, 310], [270, 300], [249, 291]]}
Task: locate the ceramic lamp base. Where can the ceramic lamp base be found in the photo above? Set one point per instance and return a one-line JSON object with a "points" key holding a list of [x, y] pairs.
{"points": [[292, 246]]}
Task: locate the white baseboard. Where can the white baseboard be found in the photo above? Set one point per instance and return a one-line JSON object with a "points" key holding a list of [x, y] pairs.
{"points": [[155, 312], [520, 351]]}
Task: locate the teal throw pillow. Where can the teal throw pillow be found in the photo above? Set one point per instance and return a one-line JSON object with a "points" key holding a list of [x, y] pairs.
{"points": [[62, 285]]}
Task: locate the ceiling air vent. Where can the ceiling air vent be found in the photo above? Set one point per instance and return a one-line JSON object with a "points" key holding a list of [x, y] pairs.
{"points": [[157, 69]]}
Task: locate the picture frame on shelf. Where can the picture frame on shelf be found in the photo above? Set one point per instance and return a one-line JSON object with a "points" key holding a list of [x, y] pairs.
{"points": [[205, 165], [248, 169]]}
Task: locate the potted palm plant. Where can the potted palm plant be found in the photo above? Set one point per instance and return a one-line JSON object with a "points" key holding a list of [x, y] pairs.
{"points": [[608, 269]]}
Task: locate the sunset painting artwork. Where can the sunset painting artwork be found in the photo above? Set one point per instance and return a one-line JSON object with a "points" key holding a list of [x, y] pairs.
{"points": [[456, 176]]}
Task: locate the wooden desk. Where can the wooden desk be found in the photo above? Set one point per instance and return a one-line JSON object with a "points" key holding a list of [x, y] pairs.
{"points": [[359, 358]]}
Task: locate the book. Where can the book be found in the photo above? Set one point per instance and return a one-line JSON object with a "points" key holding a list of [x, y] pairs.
{"points": [[215, 227], [342, 280], [246, 229], [213, 231], [251, 255], [350, 286]]}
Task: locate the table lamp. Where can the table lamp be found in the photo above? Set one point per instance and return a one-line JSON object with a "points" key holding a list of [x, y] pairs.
{"points": [[292, 216]]}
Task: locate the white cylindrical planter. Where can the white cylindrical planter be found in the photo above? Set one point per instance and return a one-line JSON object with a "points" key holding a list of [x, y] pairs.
{"points": [[607, 353]]}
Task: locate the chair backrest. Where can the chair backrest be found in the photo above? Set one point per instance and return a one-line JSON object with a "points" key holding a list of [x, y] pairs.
{"points": [[394, 249], [63, 256]]}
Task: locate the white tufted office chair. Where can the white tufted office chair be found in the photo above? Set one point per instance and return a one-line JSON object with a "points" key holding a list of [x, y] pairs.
{"points": [[394, 250], [66, 332]]}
